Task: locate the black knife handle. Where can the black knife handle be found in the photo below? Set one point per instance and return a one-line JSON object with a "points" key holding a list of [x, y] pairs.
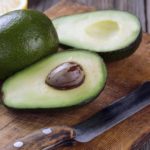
{"points": [[44, 139]]}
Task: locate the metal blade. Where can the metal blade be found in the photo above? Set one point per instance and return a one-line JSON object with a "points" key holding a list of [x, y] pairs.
{"points": [[113, 114]]}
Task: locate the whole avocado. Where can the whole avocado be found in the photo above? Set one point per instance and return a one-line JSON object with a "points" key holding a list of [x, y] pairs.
{"points": [[25, 37]]}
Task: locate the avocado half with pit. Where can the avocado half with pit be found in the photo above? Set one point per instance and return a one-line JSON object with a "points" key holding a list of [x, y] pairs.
{"points": [[64, 79], [113, 34]]}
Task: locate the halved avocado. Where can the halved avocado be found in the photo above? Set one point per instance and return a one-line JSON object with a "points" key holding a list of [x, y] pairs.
{"points": [[113, 34], [64, 79]]}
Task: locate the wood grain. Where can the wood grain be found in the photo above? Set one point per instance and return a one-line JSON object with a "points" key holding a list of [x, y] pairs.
{"points": [[147, 15], [48, 138], [59, 10], [124, 76]]}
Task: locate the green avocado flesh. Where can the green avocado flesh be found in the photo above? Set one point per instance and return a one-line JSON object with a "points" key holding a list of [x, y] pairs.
{"points": [[108, 32], [27, 89], [25, 37]]}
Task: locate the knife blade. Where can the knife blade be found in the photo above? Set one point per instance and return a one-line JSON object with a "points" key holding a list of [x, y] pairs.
{"points": [[53, 137]]}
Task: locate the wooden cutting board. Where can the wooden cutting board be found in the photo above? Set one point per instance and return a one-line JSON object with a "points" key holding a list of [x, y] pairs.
{"points": [[124, 76]]}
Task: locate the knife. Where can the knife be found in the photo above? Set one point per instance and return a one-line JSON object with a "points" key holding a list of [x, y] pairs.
{"points": [[53, 137]]}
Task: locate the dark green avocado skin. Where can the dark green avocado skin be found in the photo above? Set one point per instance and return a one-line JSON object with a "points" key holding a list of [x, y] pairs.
{"points": [[26, 36], [122, 53]]}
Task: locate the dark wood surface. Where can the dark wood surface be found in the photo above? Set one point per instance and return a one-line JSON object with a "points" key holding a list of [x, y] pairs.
{"points": [[141, 8], [124, 76]]}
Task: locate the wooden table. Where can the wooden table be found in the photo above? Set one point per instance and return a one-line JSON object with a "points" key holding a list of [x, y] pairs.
{"points": [[133, 133], [141, 8], [130, 134]]}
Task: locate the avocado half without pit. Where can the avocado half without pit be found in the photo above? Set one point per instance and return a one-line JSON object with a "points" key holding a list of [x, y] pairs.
{"points": [[64, 79], [113, 34]]}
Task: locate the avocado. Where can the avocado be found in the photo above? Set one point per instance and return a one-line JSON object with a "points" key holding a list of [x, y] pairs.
{"points": [[26, 36], [64, 79], [113, 34]]}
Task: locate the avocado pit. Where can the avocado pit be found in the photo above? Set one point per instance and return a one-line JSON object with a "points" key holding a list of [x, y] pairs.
{"points": [[66, 76]]}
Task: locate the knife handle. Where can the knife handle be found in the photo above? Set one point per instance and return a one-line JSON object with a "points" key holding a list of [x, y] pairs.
{"points": [[44, 139]]}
